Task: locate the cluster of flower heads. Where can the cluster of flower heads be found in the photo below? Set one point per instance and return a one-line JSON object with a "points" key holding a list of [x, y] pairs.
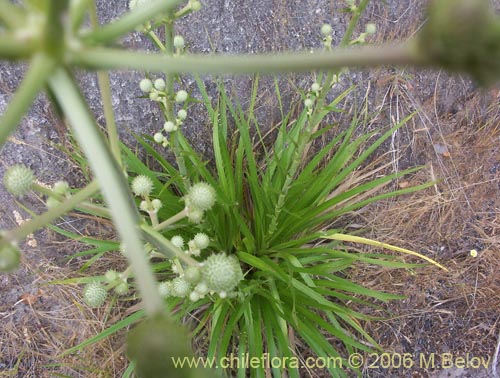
{"points": [[157, 92], [217, 274], [95, 293]]}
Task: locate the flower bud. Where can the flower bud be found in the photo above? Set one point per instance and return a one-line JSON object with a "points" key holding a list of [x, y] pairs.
{"points": [[111, 276], [201, 196], [194, 296], [195, 5], [326, 29], [169, 126], [165, 289], [182, 114], [181, 96], [142, 185], [156, 203], [221, 272], [146, 85], [192, 275], [18, 179], [94, 294], [178, 241], [315, 87], [308, 103], [122, 288], [180, 287], [201, 240], [195, 216], [179, 42], [160, 84], [371, 28], [158, 137]]}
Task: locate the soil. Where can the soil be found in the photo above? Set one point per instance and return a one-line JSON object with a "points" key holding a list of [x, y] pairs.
{"points": [[455, 135]]}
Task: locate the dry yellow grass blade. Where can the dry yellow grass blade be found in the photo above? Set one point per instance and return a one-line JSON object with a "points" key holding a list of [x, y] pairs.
{"points": [[357, 239]]}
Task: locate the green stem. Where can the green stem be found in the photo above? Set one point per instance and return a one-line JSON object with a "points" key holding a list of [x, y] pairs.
{"points": [[113, 184], [105, 88], [169, 99], [152, 35], [177, 217], [165, 246], [312, 124], [77, 10], [40, 68], [12, 47], [366, 56], [128, 22], [352, 24], [11, 15], [84, 206], [53, 39], [40, 221]]}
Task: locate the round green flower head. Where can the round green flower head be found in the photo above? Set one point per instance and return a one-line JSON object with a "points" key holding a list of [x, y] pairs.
{"points": [[169, 126], [146, 85], [182, 114], [160, 84], [9, 257], [158, 137], [221, 273], [192, 275], [18, 179], [94, 294], [181, 96], [201, 196], [165, 289], [111, 275], [178, 241], [180, 287], [142, 185], [201, 240], [371, 28], [195, 216], [179, 42], [195, 5], [326, 29], [122, 288]]}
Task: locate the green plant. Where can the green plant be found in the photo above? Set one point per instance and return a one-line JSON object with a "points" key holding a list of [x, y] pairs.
{"points": [[286, 214]]}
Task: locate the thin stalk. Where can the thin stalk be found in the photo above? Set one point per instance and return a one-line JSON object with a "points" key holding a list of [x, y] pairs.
{"points": [[36, 77], [169, 99], [84, 206], [366, 56], [128, 22], [169, 52], [113, 185], [105, 88], [312, 124], [165, 247], [40, 221], [77, 10], [177, 217]]}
